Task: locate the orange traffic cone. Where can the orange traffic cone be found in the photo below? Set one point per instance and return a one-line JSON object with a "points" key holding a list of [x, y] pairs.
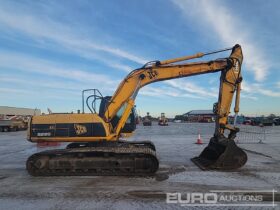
{"points": [[199, 140]]}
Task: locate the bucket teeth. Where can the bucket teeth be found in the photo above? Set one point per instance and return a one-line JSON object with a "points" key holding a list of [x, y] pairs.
{"points": [[221, 154]]}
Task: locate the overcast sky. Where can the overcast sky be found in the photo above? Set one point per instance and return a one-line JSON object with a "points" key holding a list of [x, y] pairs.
{"points": [[51, 50]]}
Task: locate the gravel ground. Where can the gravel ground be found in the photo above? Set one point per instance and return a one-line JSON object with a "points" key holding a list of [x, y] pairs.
{"points": [[175, 146]]}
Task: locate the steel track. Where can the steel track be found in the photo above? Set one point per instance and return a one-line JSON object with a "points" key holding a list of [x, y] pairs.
{"points": [[125, 160]]}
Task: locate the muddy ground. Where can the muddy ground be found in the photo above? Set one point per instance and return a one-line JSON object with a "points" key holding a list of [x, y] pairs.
{"points": [[175, 146]]}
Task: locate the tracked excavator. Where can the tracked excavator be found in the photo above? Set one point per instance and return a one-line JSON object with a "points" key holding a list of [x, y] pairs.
{"points": [[97, 147]]}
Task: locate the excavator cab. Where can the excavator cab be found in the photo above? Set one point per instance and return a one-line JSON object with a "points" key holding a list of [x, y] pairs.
{"points": [[103, 102], [130, 124]]}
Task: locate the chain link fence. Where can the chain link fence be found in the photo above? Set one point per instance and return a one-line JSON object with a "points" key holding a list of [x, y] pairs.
{"points": [[257, 134], [247, 135]]}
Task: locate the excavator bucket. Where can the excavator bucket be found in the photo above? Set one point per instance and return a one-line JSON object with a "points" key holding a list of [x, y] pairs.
{"points": [[221, 154]]}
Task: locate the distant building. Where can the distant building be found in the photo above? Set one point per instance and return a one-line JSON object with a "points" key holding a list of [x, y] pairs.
{"points": [[10, 111], [200, 116]]}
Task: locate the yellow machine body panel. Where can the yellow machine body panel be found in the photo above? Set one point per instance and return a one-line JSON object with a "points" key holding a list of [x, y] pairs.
{"points": [[68, 128]]}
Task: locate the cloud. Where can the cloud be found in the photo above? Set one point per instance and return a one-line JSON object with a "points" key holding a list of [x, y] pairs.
{"points": [[269, 93], [45, 31], [46, 75], [17, 94], [49, 83], [166, 91], [257, 89], [192, 88], [44, 67], [14, 91], [248, 96], [215, 17]]}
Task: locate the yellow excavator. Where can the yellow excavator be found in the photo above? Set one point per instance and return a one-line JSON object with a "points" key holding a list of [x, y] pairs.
{"points": [[96, 147]]}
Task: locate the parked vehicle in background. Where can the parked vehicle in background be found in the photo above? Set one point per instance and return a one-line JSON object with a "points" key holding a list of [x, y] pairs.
{"points": [[248, 122], [262, 121], [239, 120], [13, 124], [147, 121], [276, 121], [162, 121], [266, 122]]}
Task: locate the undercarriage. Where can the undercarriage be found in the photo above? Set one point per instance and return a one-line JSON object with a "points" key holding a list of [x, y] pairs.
{"points": [[119, 158]]}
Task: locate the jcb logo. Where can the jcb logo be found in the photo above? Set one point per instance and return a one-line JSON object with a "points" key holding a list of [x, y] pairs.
{"points": [[80, 129], [236, 67], [152, 74]]}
